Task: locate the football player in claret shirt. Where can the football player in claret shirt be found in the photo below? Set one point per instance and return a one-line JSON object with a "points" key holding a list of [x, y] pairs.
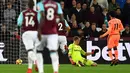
{"points": [[63, 30], [50, 10], [29, 20]]}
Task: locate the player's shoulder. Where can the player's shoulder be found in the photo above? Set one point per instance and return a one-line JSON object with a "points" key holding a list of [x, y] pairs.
{"points": [[24, 11], [118, 19], [110, 21], [58, 4], [71, 45]]}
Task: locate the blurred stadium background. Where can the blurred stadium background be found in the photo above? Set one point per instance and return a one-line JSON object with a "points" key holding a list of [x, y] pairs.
{"points": [[12, 48]]}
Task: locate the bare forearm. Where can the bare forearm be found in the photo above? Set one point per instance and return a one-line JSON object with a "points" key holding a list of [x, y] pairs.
{"points": [[88, 53]]}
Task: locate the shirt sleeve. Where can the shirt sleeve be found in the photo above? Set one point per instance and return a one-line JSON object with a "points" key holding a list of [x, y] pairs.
{"points": [[121, 26], [40, 7], [109, 29], [82, 51], [66, 24], [20, 19], [38, 17], [59, 9], [70, 49]]}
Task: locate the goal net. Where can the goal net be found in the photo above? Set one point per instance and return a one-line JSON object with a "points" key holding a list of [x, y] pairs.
{"points": [[11, 45]]}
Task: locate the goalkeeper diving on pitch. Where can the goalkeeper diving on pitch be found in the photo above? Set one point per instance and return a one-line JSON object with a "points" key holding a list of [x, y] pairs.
{"points": [[75, 54]]}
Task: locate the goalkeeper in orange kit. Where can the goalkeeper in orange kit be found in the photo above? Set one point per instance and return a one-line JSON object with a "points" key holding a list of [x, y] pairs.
{"points": [[115, 27]]}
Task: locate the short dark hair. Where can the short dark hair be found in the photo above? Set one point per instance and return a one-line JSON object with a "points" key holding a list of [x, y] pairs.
{"points": [[9, 3], [75, 38], [78, 3], [118, 8], [112, 13], [30, 3]]}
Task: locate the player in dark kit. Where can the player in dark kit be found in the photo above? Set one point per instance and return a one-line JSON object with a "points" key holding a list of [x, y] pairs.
{"points": [[29, 19], [50, 10]]}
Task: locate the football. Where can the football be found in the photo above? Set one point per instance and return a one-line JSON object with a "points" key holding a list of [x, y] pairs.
{"points": [[19, 61]]}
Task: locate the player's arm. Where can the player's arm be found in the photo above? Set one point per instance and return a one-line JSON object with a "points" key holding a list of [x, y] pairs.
{"points": [[108, 31], [41, 24], [67, 27], [40, 7], [89, 53], [39, 17], [121, 26], [60, 13], [70, 54], [70, 48], [20, 19], [86, 53]]}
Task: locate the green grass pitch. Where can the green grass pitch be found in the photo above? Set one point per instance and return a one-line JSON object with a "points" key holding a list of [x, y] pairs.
{"points": [[66, 68]]}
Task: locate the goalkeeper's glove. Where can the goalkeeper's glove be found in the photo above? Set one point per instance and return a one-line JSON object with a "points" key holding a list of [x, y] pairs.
{"points": [[95, 51], [72, 62]]}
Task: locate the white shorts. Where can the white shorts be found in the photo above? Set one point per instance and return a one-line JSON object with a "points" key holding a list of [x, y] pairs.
{"points": [[49, 41], [62, 41], [30, 40]]}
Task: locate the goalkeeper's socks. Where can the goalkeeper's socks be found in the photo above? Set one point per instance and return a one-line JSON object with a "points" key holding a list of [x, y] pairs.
{"points": [[55, 61], [29, 70]]}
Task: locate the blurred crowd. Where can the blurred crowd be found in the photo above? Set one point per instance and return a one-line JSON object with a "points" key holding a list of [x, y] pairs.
{"points": [[87, 18], [9, 11]]}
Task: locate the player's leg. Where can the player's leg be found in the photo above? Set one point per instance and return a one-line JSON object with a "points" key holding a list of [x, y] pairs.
{"points": [[35, 63], [28, 42], [117, 37], [39, 47], [80, 62], [40, 61], [110, 45], [63, 43], [30, 65], [52, 42], [89, 62]]}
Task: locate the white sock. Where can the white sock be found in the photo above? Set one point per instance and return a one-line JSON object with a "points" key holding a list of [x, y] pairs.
{"points": [[55, 61], [30, 63], [40, 62], [62, 46], [32, 56]]}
